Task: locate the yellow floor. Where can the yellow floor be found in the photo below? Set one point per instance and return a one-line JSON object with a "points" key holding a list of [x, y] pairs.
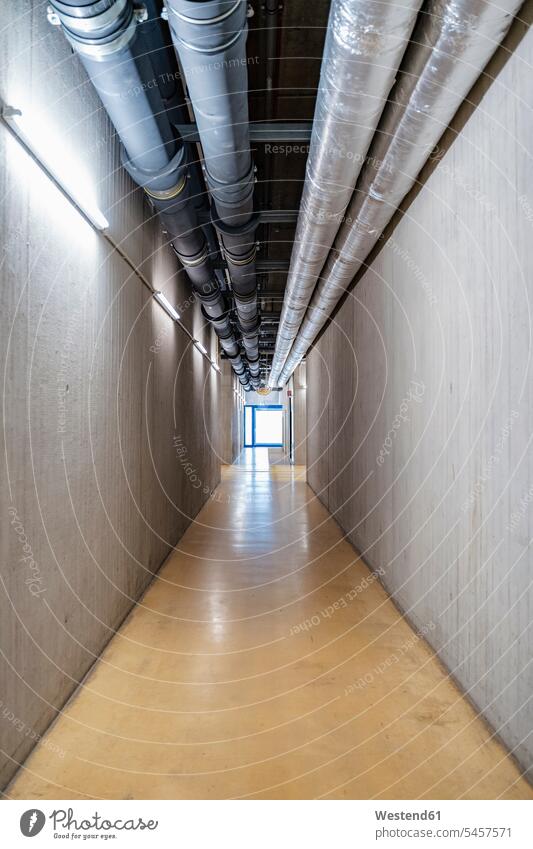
{"points": [[263, 662]]}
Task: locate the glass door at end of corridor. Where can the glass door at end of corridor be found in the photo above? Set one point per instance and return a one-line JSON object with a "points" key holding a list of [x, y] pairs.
{"points": [[263, 426]]}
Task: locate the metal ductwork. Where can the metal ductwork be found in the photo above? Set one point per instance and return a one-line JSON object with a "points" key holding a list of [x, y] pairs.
{"points": [[451, 45], [210, 39], [364, 45], [122, 62]]}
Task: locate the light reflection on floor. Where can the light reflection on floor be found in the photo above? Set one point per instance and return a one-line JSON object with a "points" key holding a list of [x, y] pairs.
{"points": [[261, 459], [266, 661]]}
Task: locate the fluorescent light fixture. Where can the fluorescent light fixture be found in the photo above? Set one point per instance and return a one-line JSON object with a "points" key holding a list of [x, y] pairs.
{"points": [[215, 365], [200, 346], [57, 162], [167, 306]]}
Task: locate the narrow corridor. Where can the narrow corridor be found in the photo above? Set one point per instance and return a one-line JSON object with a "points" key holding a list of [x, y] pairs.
{"points": [[266, 661]]}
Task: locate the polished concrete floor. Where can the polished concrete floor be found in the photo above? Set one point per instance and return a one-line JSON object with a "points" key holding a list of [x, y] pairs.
{"points": [[261, 459], [265, 661]]}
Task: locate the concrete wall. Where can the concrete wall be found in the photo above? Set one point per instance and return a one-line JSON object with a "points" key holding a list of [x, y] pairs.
{"points": [[232, 413], [226, 417], [237, 419], [104, 400], [420, 398], [299, 386]]}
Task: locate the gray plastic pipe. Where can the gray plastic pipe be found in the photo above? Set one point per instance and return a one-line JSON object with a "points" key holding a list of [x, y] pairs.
{"points": [[210, 39], [451, 45], [365, 42], [106, 37]]}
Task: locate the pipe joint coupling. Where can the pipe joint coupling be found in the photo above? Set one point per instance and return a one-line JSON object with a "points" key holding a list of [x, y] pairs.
{"points": [[240, 260], [252, 331], [255, 368], [210, 27], [168, 194], [195, 261], [221, 322], [245, 293], [97, 29], [232, 199], [168, 184]]}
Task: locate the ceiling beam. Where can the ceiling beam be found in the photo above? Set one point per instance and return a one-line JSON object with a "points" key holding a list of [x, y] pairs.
{"points": [[265, 216], [261, 132], [262, 266], [278, 216]]}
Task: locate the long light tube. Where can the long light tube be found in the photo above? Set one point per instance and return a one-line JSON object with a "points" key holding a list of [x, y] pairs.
{"points": [[167, 306], [53, 159]]}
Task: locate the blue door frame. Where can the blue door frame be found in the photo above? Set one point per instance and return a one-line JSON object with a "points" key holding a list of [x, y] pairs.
{"points": [[253, 443]]}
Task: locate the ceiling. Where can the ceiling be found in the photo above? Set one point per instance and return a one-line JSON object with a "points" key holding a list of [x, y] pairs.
{"points": [[298, 39]]}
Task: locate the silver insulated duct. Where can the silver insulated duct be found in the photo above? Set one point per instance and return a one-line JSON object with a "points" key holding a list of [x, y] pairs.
{"points": [[365, 42], [451, 45]]}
